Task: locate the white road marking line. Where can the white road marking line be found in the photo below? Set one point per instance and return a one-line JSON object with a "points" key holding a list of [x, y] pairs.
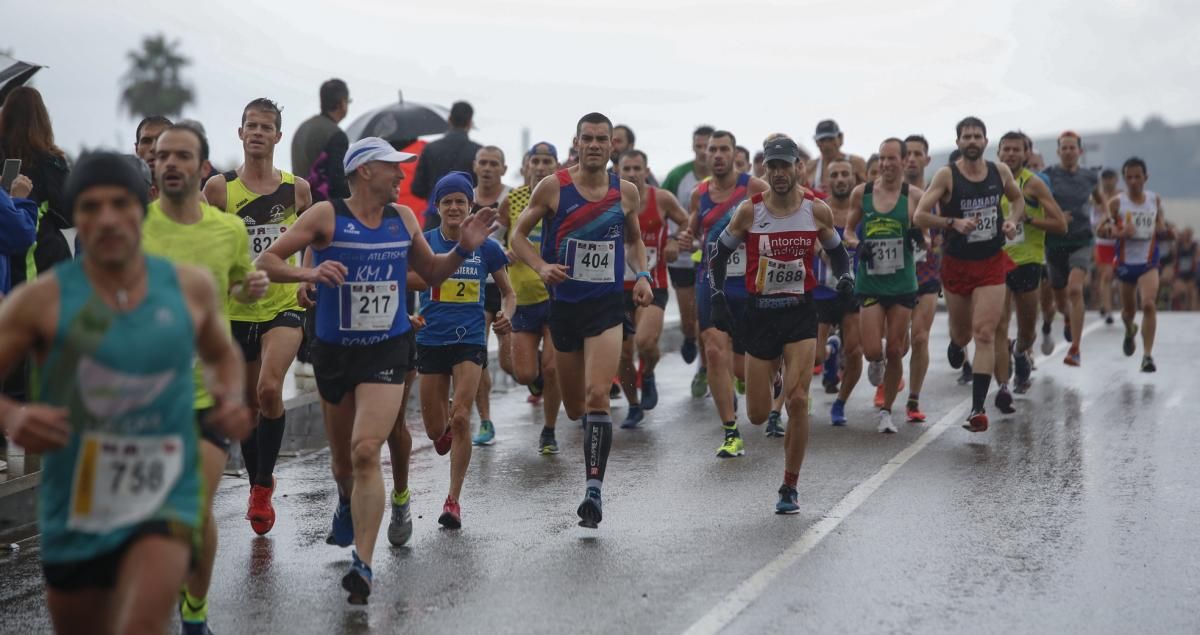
{"points": [[748, 591]]}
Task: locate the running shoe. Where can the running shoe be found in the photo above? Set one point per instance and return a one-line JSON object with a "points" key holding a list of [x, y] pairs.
{"points": [[442, 445], [1108, 318], [487, 433], [342, 531], [965, 378], [1148, 365], [879, 396], [615, 391], [774, 425], [537, 386], [688, 350], [885, 423], [590, 510], [831, 387], [195, 628], [400, 527], [534, 400], [1129, 345], [193, 621], [1047, 340], [547, 446], [912, 412], [1073, 357], [777, 384], [733, 446], [837, 414], [1046, 328], [789, 500], [1004, 400], [451, 517], [1067, 329], [739, 385], [829, 378], [977, 422], [649, 392], [700, 384], [357, 581], [1023, 368], [634, 418], [260, 513], [956, 355], [875, 371]]}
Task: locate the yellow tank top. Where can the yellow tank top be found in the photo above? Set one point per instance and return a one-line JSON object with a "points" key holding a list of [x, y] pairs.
{"points": [[266, 218], [526, 282], [1028, 247]]}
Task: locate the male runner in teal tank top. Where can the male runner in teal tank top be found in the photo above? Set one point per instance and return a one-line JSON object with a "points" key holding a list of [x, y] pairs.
{"points": [[115, 334]]}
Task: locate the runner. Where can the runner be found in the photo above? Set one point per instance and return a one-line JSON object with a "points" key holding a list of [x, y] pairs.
{"points": [[114, 335], [1137, 221], [681, 182], [974, 264], [591, 218], [183, 229], [1106, 255], [1183, 295], [929, 283], [872, 167], [835, 310], [712, 207], [147, 133], [362, 248], [780, 230], [452, 343], [489, 168], [657, 206], [530, 323], [1028, 252], [829, 141], [267, 201], [741, 160], [886, 280], [1069, 257]]}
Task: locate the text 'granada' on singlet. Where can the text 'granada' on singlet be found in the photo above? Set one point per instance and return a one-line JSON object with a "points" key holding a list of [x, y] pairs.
{"points": [[979, 201], [369, 306]]}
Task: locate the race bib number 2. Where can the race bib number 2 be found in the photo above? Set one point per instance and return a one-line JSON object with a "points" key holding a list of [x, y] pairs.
{"points": [[122, 480], [593, 260], [459, 291], [369, 306]]}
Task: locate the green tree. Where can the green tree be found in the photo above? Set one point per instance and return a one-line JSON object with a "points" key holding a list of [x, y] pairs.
{"points": [[153, 85]]}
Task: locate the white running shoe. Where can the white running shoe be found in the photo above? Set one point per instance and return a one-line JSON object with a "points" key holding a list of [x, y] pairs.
{"points": [[885, 422], [875, 372]]}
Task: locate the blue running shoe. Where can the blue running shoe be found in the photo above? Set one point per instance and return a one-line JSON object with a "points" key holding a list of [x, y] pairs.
{"points": [[487, 434], [789, 501], [342, 532], [775, 425], [688, 350], [649, 392], [357, 581], [837, 414], [589, 509], [634, 418]]}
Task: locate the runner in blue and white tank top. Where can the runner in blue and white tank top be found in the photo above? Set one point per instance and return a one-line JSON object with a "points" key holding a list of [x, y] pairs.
{"points": [[362, 249], [114, 336], [590, 217]]}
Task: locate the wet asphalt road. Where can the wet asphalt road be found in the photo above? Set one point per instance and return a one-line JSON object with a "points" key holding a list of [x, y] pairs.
{"points": [[1077, 514]]}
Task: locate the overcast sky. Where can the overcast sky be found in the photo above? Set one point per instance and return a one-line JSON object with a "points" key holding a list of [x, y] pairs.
{"points": [[661, 66]]}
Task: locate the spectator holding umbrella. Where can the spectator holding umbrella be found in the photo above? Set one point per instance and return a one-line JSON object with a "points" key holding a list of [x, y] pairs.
{"points": [[319, 145], [454, 152]]}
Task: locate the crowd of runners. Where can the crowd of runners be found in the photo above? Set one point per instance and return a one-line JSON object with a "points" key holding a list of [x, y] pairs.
{"points": [[783, 266]]}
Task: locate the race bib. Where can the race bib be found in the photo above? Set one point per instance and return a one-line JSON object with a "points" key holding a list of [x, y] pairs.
{"points": [[737, 262], [985, 228], [369, 306], [1143, 225], [888, 256], [459, 290], [1019, 237], [780, 276], [593, 260], [651, 260], [919, 255], [262, 237], [121, 480]]}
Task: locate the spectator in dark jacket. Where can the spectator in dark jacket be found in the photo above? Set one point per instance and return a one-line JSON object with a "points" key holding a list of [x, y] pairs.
{"points": [[18, 226], [26, 134], [454, 152], [319, 145]]}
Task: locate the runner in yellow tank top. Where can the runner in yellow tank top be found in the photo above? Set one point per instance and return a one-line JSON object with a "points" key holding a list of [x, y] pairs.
{"points": [[531, 329], [267, 201]]}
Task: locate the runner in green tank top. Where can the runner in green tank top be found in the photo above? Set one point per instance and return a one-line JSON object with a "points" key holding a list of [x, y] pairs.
{"points": [[886, 280], [1028, 250], [114, 336], [267, 201]]}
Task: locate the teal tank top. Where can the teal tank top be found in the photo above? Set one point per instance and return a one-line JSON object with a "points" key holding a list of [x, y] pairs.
{"points": [[126, 379]]}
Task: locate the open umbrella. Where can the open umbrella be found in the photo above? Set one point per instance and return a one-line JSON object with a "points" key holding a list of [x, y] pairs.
{"points": [[401, 121], [14, 73]]}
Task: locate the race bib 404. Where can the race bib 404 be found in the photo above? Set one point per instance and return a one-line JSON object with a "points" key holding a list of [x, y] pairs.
{"points": [[122, 480], [592, 260]]}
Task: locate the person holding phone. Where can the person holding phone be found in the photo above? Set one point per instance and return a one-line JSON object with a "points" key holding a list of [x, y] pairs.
{"points": [[18, 221]]}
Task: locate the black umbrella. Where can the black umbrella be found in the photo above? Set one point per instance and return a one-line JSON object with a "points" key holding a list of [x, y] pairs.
{"points": [[14, 73], [401, 121]]}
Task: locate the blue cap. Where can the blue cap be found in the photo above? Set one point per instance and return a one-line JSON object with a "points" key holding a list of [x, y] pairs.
{"points": [[451, 183], [543, 147]]}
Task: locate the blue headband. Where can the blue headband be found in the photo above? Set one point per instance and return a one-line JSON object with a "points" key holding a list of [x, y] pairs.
{"points": [[451, 183]]}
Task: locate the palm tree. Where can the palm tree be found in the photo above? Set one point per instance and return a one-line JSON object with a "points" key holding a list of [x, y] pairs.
{"points": [[153, 85]]}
